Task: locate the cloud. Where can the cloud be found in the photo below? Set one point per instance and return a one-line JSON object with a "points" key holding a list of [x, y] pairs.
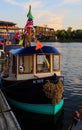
{"points": [[48, 13], [49, 18], [13, 2], [64, 2], [23, 3]]}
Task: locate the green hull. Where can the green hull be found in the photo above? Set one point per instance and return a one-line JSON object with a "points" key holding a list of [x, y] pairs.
{"points": [[49, 109]]}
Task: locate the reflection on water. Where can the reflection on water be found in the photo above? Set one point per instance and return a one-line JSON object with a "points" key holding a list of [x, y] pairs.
{"points": [[72, 71], [71, 66], [31, 123]]}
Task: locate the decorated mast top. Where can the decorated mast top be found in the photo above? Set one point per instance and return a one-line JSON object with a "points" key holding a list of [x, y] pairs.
{"points": [[28, 30], [29, 23]]}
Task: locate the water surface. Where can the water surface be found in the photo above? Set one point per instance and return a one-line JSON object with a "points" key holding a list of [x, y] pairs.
{"points": [[71, 67]]}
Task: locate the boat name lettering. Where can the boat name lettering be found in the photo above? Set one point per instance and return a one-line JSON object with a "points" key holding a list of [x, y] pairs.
{"points": [[38, 81]]}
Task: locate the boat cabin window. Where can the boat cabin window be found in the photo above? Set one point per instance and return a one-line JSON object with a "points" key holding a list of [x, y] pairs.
{"points": [[43, 63], [26, 64], [56, 62]]}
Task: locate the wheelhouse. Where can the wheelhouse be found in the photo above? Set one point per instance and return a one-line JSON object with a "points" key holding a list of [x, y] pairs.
{"points": [[28, 61]]}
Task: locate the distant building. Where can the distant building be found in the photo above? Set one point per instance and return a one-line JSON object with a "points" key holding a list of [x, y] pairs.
{"points": [[8, 29], [45, 33]]}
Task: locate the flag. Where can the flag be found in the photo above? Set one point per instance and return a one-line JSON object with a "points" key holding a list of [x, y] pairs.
{"points": [[30, 16], [29, 24], [21, 42], [47, 63], [38, 45]]}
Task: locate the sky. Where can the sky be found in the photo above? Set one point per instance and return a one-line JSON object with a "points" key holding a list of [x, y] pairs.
{"points": [[57, 14]]}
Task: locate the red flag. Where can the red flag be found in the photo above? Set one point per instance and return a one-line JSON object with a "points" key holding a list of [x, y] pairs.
{"points": [[39, 45], [29, 24]]}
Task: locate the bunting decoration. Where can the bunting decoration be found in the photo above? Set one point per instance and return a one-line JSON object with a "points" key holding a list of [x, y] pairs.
{"points": [[39, 46]]}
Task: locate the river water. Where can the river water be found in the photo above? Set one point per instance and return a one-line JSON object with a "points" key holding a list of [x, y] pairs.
{"points": [[71, 67]]}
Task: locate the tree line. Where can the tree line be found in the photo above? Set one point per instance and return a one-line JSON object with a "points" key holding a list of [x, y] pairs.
{"points": [[69, 35]]}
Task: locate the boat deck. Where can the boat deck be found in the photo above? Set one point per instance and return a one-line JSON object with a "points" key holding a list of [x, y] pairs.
{"points": [[7, 119]]}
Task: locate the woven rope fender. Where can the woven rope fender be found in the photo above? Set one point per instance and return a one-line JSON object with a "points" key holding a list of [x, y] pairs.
{"points": [[54, 91]]}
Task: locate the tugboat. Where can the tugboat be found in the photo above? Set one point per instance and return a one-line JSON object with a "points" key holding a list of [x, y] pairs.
{"points": [[34, 84]]}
